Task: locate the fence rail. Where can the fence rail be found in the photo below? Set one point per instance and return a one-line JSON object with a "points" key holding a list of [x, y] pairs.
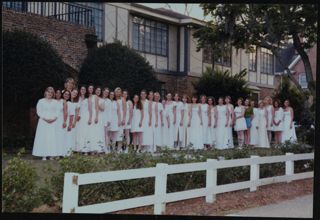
{"points": [[161, 171]]}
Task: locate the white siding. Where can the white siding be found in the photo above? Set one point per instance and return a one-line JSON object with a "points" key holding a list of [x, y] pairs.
{"points": [[122, 25], [195, 57], [172, 50], [110, 23]]}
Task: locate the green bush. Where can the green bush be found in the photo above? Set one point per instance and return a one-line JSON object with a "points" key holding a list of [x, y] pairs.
{"points": [[222, 83], [19, 190], [13, 144], [116, 65]]}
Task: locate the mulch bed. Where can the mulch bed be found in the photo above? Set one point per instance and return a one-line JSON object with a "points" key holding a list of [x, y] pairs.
{"points": [[234, 201]]}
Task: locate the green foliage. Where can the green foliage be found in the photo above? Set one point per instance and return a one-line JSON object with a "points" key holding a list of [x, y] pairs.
{"points": [[13, 144], [19, 190], [116, 65], [287, 90], [222, 83], [30, 64]]}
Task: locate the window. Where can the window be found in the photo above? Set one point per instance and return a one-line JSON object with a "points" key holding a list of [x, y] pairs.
{"points": [[225, 59], [266, 60], [149, 36], [253, 60], [17, 6], [303, 81], [207, 54]]}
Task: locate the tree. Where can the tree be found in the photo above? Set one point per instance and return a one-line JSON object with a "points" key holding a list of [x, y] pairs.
{"points": [[222, 83], [114, 65], [268, 26]]}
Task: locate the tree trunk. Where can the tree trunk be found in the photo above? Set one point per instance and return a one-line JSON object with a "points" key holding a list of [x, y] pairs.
{"points": [[304, 57]]}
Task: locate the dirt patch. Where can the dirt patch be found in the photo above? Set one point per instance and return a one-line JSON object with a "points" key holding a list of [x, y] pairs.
{"points": [[234, 201]]}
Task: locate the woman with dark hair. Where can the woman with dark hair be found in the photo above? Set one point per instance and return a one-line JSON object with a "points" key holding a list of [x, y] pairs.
{"points": [[248, 115], [128, 117], [115, 119], [45, 143], [73, 112], [106, 117], [195, 135], [158, 122], [184, 122], [262, 126], [205, 119], [254, 124], [60, 133], [289, 131], [136, 125], [178, 121], [223, 117], [169, 119], [231, 121], [240, 123], [212, 124], [277, 121]]}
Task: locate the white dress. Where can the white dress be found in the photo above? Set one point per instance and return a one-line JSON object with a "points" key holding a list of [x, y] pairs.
{"points": [[288, 134], [96, 139], [212, 129], [263, 140], [136, 117], [269, 110], [120, 134], [240, 124], [222, 139], [70, 136], [168, 139], [229, 129], [157, 134], [114, 116], [60, 133], [205, 125], [147, 135], [278, 115], [178, 130], [253, 130], [45, 143], [183, 133], [195, 136], [106, 115], [128, 115], [82, 127]]}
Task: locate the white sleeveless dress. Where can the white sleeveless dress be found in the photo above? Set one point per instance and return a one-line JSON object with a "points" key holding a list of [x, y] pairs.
{"points": [[263, 140], [82, 127], [229, 130], [183, 133], [136, 117], [70, 136], [147, 135], [178, 130], [120, 134], [60, 133], [195, 135], [269, 110], [205, 127], [127, 115], [45, 142], [288, 134], [278, 115], [222, 139], [253, 130], [212, 129], [240, 124], [157, 134], [114, 116], [169, 134]]}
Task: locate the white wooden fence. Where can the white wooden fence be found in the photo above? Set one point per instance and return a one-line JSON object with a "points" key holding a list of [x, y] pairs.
{"points": [[72, 181]]}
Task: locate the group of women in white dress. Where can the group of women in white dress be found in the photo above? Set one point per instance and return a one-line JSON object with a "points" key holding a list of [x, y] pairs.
{"points": [[95, 120]]}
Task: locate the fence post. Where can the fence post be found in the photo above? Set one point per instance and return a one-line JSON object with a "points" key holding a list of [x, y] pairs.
{"points": [[211, 180], [160, 188], [289, 168], [254, 173], [70, 193]]}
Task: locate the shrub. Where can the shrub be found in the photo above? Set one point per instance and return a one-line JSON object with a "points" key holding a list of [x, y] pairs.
{"points": [[222, 83], [116, 65], [19, 188]]}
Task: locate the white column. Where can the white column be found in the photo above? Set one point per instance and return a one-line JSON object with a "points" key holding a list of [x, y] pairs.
{"points": [[211, 180], [289, 168], [160, 188], [70, 193], [254, 173]]}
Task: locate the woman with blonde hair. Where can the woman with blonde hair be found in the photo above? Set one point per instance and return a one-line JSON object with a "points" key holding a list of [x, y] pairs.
{"points": [[123, 111], [240, 122], [128, 117], [231, 121], [45, 143], [268, 105], [195, 123], [262, 126], [289, 131], [158, 122]]}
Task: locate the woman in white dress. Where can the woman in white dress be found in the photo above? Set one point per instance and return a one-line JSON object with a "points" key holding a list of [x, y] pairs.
{"points": [[185, 120], [277, 121], [158, 121], [240, 123], [231, 121], [212, 124], [168, 123], [262, 127], [147, 133], [123, 110], [45, 142], [254, 124], [106, 118], [115, 120], [268, 104], [223, 117], [195, 123], [137, 122], [82, 124], [178, 121], [90, 91], [205, 120], [289, 131], [59, 124], [70, 132], [128, 117]]}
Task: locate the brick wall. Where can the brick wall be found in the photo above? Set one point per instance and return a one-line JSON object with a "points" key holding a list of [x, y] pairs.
{"points": [[67, 38]]}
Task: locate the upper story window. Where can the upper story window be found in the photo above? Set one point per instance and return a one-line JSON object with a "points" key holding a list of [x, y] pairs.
{"points": [[266, 61], [303, 81], [150, 36], [206, 54], [17, 6], [224, 60], [253, 60]]}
